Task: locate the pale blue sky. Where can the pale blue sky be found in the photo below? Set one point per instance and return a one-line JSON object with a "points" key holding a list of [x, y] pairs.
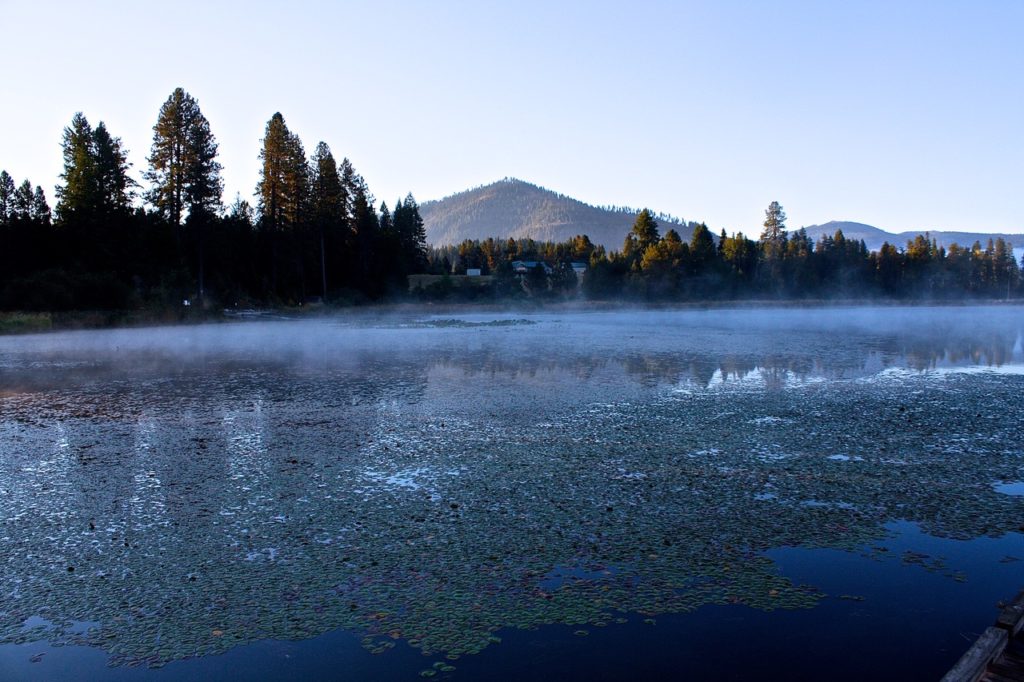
{"points": [[905, 115]]}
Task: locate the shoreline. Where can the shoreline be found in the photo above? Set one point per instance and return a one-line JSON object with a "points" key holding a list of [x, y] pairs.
{"points": [[35, 322]]}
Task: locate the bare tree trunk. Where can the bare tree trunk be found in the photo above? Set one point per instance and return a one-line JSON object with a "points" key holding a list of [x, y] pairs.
{"points": [[323, 265], [202, 261]]}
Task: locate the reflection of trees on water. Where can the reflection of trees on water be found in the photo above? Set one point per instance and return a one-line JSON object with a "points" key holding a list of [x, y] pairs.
{"points": [[287, 508], [282, 496], [500, 361], [372, 372], [776, 369], [987, 348]]}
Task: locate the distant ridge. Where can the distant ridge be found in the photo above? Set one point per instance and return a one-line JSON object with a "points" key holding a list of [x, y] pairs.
{"points": [[874, 237], [517, 209], [520, 210]]}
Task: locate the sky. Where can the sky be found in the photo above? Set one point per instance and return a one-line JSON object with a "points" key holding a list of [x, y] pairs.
{"points": [[903, 115]]}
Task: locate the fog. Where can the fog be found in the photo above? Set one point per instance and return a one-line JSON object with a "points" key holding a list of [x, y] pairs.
{"points": [[346, 339], [307, 336]]}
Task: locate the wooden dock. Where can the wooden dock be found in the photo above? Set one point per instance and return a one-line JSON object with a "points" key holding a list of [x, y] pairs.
{"points": [[998, 655]]}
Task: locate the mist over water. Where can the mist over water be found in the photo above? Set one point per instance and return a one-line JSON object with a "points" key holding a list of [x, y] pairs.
{"points": [[436, 484], [809, 341]]}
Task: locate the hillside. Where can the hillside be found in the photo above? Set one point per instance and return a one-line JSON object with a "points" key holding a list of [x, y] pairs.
{"points": [[875, 237], [517, 209]]}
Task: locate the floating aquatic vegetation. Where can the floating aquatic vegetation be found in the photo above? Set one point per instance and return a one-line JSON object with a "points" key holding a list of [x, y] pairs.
{"points": [[439, 497], [469, 324]]}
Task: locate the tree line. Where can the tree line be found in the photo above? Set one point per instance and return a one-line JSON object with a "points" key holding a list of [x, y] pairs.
{"points": [[110, 242], [779, 264], [315, 233]]}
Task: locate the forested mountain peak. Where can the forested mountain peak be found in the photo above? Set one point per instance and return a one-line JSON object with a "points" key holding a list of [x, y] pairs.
{"points": [[514, 208]]}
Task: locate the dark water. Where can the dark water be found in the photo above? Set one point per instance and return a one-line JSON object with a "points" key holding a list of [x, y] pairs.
{"points": [[770, 494]]}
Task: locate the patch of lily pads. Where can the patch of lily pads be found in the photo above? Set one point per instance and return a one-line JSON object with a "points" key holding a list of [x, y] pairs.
{"points": [[185, 515], [455, 323]]}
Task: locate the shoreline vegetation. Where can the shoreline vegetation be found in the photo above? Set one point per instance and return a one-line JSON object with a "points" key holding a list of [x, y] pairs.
{"points": [[171, 251], [22, 322]]}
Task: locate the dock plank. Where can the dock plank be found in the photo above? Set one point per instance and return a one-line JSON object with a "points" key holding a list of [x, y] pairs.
{"points": [[1009, 665], [998, 654], [973, 663], [1011, 618]]}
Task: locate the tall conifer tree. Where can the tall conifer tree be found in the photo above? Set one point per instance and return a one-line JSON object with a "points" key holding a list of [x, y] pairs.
{"points": [[183, 167], [21, 206], [40, 209], [114, 187], [774, 232], [6, 195], [96, 180], [77, 196], [328, 200], [284, 176]]}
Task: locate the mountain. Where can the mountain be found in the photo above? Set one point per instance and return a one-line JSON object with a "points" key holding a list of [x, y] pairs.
{"points": [[875, 237], [517, 209]]}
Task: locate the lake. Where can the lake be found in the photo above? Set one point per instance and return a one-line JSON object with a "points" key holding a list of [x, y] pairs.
{"points": [[776, 493]]}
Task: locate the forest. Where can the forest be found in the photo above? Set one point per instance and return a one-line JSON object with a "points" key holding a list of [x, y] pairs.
{"points": [[316, 235], [110, 243], [779, 264]]}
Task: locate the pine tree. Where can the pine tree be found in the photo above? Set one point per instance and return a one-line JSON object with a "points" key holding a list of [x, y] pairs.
{"points": [[661, 262], [1004, 265], [387, 225], [362, 229], [366, 229], [296, 182], [241, 211], [645, 229], [271, 187], [183, 166], [582, 247], [350, 182], [96, 180], [773, 245], [78, 195], [40, 209], [774, 223], [328, 196], [114, 187], [328, 202], [702, 248], [6, 196], [284, 176], [411, 235], [21, 204], [283, 192]]}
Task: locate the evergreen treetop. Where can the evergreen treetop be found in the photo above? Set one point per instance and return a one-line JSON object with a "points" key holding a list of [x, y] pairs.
{"points": [[183, 167]]}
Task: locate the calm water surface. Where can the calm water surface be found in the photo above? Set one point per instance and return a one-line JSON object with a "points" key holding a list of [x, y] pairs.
{"points": [[770, 494]]}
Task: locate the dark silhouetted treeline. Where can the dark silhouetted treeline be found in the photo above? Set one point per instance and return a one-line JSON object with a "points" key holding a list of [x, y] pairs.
{"points": [[111, 243], [780, 264], [315, 234]]}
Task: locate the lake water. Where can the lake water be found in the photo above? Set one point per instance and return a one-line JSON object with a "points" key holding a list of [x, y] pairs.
{"points": [[772, 493]]}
